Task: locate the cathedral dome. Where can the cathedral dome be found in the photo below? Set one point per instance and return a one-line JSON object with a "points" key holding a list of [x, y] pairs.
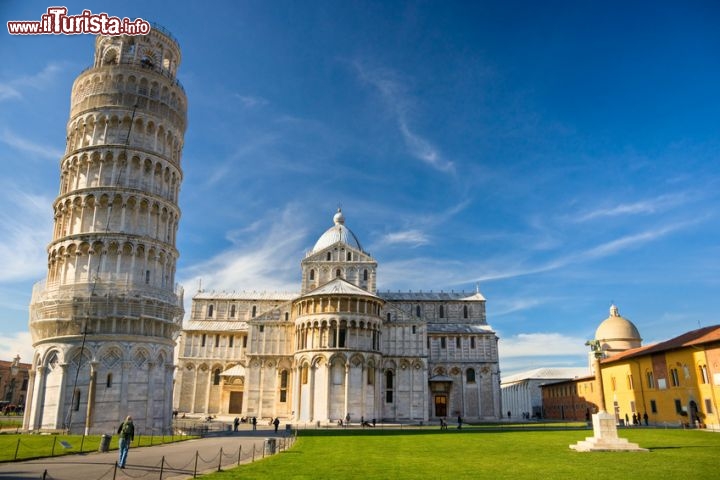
{"points": [[617, 333], [337, 233]]}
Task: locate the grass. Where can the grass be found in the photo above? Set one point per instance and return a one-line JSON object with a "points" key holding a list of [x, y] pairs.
{"points": [[481, 453], [27, 446]]}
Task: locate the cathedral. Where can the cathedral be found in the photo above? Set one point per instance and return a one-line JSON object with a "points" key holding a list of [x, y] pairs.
{"points": [[339, 349]]}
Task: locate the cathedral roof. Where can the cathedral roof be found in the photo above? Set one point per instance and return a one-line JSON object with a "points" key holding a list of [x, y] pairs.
{"points": [[243, 295], [337, 233], [339, 286], [430, 296], [215, 325], [458, 328]]}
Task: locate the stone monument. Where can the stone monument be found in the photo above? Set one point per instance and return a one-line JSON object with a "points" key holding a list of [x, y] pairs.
{"points": [[605, 436]]}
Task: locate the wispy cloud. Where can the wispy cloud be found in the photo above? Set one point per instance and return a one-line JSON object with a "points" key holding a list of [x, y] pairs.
{"points": [[8, 92], [652, 205], [251, 101], [412, 237], [19, 143], [15, 343], [536, 345], [399, 103], [13, 88], [257, 262], [517, 305], [24, 231]]}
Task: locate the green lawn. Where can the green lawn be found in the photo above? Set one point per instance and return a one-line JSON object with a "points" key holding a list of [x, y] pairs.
{"points": [[481, 453], [27, 446]]}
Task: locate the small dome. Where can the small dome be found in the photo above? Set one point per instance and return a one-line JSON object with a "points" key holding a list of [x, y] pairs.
{"points": [[616, 333], [337, 233]]}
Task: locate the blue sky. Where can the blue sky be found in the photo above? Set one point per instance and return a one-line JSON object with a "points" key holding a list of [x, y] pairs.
{"points": [[562, 155]]}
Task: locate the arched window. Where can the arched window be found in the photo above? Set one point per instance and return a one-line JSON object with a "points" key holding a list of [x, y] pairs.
{"points": [[329, 256], [210, 310], [389, 386], [338, 273], [283, 386], [465, 311], [312, 274], [349, 256], [365, 275], [232, 310], [216, 377], [108, 380], [442, 311], [304, 375], [388, 316], [287, 316], [470, 375], [76, 400], [254, 311], [417, 310]]}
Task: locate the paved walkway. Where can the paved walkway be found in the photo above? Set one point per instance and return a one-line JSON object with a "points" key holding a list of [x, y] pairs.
{"points": [[147, 462]]}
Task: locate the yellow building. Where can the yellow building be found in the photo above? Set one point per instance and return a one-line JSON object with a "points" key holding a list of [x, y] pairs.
{"points": [[675, 382]]}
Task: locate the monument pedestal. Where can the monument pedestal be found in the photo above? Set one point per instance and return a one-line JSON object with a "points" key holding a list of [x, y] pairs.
{"points": [[605, 438]]}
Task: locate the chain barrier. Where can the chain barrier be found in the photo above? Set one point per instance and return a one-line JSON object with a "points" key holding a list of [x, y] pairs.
{"points": [[171, 467], [212, 460], [218, 461]]}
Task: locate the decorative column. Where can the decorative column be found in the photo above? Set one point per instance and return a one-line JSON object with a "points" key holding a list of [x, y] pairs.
{"points": [[605, 436], [91, 397]]}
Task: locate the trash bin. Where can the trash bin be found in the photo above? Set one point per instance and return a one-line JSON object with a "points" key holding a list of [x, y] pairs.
{"points": [[270, 444], [288, 428], [104, 443]]}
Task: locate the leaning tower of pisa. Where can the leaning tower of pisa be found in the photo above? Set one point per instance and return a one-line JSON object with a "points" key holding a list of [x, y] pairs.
{"points": [[103, 322]]}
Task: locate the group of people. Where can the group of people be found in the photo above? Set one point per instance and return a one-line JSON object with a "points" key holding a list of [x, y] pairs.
{"points": [[636, 419], [444, 425], [253, 422]]}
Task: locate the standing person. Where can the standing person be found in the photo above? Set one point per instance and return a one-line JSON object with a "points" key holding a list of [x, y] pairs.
{"points": [[254, 423], [276, 422], [127, 435], [236, 422], [645, 417], [459, 422]]}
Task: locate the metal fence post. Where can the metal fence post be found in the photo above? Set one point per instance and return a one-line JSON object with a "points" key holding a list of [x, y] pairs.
{"points": [[220, 461], [17, 448], [196, 459], [239, 455]]}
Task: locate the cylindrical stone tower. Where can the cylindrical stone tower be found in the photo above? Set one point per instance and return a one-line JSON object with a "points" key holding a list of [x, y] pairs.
{"points": [[103, 323]]}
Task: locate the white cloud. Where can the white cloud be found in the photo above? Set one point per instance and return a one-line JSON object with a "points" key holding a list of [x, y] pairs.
{"points": [[25, 228], [15, 343], [260, 263], [399, 103], [251, 101], [26, 145], [12, 89], [8, 92], [541, 345], [653, 205], [412, 237]]}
